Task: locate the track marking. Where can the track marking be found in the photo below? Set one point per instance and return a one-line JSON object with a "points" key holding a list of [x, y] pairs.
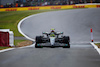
{"points": [[98, 49], [6, 50], [81, 42], [19, 25]]}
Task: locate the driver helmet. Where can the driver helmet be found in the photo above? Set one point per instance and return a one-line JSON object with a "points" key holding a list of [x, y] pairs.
{"points": [[52, 32], [52, 29]]}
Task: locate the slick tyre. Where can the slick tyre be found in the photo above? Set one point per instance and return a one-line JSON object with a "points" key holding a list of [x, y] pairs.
{"points": [[67, 46], [38, 41], [36, 46], [66, 40]]}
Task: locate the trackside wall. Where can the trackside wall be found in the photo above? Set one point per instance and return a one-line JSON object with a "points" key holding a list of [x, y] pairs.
{"points": [[50, 7]]}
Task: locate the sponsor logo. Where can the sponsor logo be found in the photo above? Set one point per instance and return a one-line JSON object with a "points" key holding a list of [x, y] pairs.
{"points": [[98, 6], [78, 6], [55, 7], [11, 10], [33, 8]]}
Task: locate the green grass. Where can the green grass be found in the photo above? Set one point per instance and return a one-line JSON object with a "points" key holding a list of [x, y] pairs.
{"points": [[10, 19], [98, 44], [1, 48], [18, 41], [15, 43]]}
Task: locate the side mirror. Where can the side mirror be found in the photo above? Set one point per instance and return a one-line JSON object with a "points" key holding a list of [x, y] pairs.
{"points": [[59, 32], [45, 32]]}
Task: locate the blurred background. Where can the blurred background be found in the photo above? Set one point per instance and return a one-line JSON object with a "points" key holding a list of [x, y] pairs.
{"points": [[27, 3]]}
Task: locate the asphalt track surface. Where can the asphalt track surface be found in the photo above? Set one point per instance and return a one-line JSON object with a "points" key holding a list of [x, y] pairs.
{"points": [[76, 24]]}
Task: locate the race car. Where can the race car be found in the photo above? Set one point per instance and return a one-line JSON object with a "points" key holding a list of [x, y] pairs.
{"points": [[52, 39]]}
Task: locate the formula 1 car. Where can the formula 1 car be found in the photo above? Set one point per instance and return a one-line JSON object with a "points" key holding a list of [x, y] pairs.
{"points": [[52, 39]]}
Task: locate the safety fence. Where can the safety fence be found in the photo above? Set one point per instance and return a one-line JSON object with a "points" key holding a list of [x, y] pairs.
{"points": [[50, 7]]}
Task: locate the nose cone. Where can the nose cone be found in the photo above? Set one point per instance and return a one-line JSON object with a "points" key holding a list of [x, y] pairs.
{"points": [[52, 40]]}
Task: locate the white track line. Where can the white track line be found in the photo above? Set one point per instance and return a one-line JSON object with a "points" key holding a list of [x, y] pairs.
{"points": [[19, 25], [98, 49], [34, 40], [6, 50], [81, 42]]}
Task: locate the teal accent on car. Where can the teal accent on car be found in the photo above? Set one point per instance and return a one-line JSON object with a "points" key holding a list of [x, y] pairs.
{"points": [[66, 44], [38, 45]]}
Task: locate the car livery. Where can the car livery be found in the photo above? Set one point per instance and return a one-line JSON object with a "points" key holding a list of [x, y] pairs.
{"points": [[52, 39]]}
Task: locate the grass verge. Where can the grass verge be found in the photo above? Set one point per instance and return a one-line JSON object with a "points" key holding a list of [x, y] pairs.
{"points": [[98, 44], [18, 43], [1, 48], [10, 20], [21, 43]]}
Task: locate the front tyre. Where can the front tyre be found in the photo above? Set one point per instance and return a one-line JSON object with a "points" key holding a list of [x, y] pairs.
{"points": [[38, 46], [38, 41], [66, 46]]}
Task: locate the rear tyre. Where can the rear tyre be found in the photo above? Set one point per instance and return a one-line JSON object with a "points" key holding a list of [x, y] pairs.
{"points": [[38, 41], [66, 40]]}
